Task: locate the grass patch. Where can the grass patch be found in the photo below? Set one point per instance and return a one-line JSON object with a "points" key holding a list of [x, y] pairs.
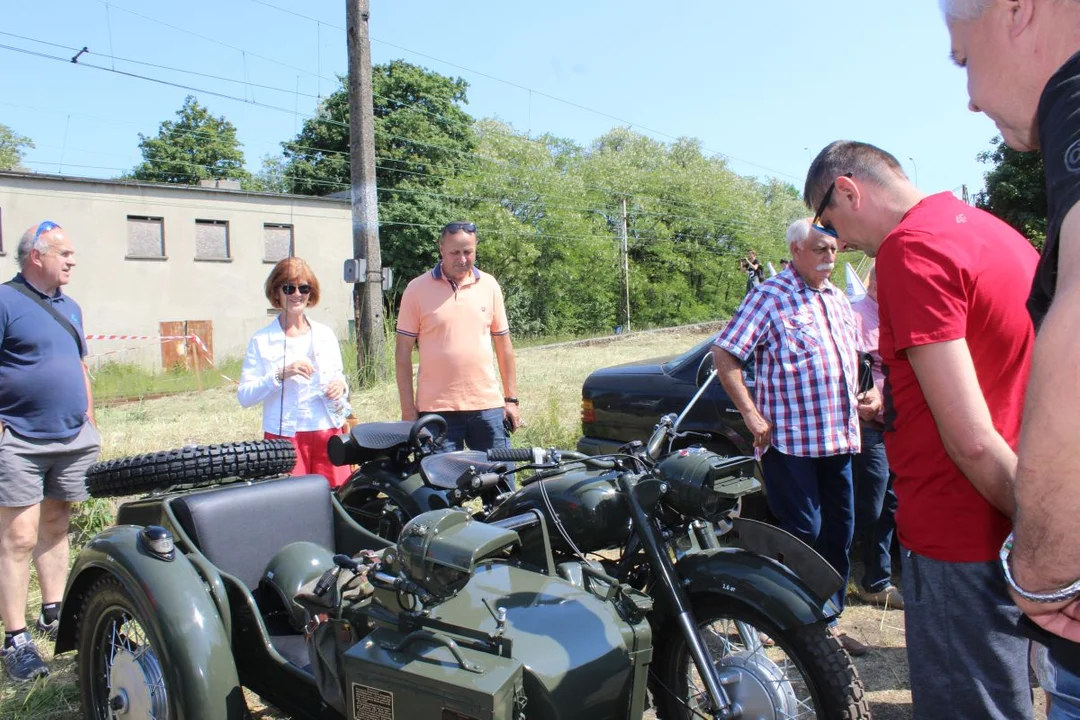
{"points": [[52, 698], [119, 381]]}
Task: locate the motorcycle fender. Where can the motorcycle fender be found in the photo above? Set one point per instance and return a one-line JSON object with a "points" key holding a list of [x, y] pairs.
{"points": [[765, 586], [410, 494], [196, 652]]}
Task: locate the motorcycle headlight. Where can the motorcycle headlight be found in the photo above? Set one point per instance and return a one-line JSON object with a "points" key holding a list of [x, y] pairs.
{"points": [[703, 484]]}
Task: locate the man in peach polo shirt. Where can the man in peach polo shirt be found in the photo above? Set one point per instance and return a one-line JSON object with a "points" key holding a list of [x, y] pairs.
{"points": [[455, 313]]}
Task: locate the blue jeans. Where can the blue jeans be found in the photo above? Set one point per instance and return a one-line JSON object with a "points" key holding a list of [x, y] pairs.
{"points": [[875, 511], [1061, 685], [475, 429], [812, 498]]}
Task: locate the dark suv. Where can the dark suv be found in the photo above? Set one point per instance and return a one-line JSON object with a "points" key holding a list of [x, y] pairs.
{"points": [[623, 403]]}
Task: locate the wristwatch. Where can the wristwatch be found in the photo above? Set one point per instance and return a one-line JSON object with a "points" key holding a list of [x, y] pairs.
{"points": [[1050, 596], [511, 400]]}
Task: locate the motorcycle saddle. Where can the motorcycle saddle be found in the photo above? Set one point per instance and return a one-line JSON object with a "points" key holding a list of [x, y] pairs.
{"points": [[382, 435], [444, 469]]}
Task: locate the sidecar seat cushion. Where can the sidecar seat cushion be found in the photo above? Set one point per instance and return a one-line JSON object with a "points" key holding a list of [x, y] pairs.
{"points": [[240, 527]]}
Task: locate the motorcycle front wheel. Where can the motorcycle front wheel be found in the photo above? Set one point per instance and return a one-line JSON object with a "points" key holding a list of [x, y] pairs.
{"points": [[772, 674]]}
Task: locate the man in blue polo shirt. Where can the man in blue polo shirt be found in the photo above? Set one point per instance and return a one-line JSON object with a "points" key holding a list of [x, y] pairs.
{"points": [[47, 438]]}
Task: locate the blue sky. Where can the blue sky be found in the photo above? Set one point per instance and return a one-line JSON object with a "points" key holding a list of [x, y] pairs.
{"points": [[765, 83]]}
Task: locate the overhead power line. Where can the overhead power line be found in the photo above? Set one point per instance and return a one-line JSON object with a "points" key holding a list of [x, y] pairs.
{"points": [[449, 63], [672, 202]]}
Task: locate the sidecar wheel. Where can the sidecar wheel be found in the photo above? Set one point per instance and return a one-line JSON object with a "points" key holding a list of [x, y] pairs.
{"points": [[119, 662], [806, 674]]}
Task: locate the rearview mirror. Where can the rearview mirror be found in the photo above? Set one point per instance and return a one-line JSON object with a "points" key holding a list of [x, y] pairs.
{"points": [[705, 368]]}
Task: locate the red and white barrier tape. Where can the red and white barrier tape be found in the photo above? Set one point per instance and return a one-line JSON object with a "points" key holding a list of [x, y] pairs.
{"points": [[160, 338]]}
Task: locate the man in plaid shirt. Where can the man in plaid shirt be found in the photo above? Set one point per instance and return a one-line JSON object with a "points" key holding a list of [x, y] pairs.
{"points": [[800, 330]]}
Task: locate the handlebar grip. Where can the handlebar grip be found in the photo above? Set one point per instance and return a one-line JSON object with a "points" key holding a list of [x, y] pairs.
{"points": [[510, 454]]}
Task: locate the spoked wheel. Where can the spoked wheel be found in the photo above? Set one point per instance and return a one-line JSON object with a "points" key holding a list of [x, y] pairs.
{"points": [[769, 673], [120, 666], [376, 512]]}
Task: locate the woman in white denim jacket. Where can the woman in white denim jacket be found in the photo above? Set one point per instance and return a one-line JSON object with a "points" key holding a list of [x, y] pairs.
{"points": [[293, 367]]}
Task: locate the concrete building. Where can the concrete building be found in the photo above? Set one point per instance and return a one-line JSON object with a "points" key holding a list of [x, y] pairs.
{"points": [[152, 257]]}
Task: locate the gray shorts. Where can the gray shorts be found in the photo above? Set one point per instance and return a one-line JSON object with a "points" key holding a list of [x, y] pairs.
{"points": [[31, 469]]}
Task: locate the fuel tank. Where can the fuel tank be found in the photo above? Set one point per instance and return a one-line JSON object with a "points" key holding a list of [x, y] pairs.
{"points": [[586, 503]]}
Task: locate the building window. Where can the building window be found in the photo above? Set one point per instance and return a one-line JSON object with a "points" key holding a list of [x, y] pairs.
{"points": [[146, 237], [211, 240], [277, 242]]}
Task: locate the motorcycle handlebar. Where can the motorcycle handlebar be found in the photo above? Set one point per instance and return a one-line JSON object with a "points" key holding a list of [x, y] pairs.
{"points": [[660, 434], [515, 454], [540, 456]]}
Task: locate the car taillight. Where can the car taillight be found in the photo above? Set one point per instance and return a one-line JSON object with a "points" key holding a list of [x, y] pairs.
{"points": [[588, 414]]}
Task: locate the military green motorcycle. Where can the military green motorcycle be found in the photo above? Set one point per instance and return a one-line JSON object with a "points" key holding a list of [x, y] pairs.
{"points": [[738, 609], [271, 586]]}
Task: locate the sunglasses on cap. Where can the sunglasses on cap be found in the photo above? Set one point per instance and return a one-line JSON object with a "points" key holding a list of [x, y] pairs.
{"points": [[815, 223], [456, 227], [45, 227], [289, 289]]}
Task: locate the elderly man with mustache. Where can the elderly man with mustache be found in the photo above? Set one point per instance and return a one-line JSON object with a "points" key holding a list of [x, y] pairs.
{"points": [[804, 414], [956, 342]]}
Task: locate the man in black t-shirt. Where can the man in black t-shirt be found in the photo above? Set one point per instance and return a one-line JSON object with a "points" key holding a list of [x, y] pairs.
{"points": [[1023, 65]]}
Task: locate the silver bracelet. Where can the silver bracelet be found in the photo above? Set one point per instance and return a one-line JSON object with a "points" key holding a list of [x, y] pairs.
{"points": [[1050, 596]]}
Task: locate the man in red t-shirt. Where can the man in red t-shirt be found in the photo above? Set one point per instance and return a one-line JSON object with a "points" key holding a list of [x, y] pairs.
{"points": [[956, 343]]}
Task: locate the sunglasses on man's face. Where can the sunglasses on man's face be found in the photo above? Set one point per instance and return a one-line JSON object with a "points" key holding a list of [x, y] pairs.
{"points": [[456, 227], [289, 289], [816, 222]]}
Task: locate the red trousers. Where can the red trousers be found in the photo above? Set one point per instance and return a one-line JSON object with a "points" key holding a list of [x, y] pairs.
{"points": [[311, 458]]}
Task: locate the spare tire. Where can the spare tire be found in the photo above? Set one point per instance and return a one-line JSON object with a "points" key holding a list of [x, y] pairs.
{"points": [[192, 465]]}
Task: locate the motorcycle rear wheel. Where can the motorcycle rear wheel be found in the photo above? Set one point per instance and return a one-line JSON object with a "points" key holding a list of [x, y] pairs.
{"points": [[806, 674]]}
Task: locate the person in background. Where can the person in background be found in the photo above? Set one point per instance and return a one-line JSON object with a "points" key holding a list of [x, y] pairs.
{"points": [[804, 417], [875, 500], [1023, 67], [754, 265], [956, 343], [48, 438], [455, 313], [293, 367]]}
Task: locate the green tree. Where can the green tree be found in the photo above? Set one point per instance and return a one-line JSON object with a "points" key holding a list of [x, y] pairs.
{"points": [[541, 234], [690, 220], [272, 177], [1015, 190], [12, 148], [423, 137], [196, 146]]}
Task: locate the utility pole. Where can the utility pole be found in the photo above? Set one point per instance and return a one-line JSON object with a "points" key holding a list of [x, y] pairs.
{"points": [[626, 265], [367, 293], [964, 194]]}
